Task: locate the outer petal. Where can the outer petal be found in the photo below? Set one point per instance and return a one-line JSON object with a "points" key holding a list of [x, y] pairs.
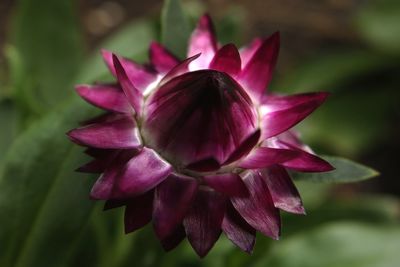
{"points": [[133, 95], [117, 132], [283, 191], [238, 230], [229, 183], [245, 147], [203, 221], [161, 58], [257, 73], [142, 173], [178, 70], [114, 203], [140, 76], [138, 212], [305, 161], [247, 52], [203, 41], [170, 242], [280, 113], [108, 97], [263, 157], [258, 209], [200, 116], [227, 60], [173, 198]]}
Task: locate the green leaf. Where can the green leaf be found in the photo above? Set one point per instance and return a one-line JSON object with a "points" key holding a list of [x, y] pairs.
{"points": [[345, 244], [9, 125], [346, 171], [47, 40], [175, 28], [378, 22]]}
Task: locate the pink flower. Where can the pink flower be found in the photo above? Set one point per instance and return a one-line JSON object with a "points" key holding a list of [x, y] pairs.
{"points": [[197, 146]]}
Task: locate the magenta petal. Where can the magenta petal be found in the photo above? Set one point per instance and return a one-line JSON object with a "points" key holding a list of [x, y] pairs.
{"points": [[280, 113], [108, 97], [135, 97], [258, 209], [306, 162], [245, 147], [263, 157], [238, 230], [142, 173], [203, 41], [247, 52], [140, 76], [283, 191], [94, 166], [257, 73], [161, 58], [114, 203], [173, 240], [138, 212], [199, 118], [230, 184], [178, 70], [227, 60], [173, 198], [203, 221], [118, 131]]}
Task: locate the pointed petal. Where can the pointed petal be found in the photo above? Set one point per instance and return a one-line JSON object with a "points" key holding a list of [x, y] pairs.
{"points": [[283, 191], [305, 161], [280, 113], [238, 230], [108, 97], [94, 166], [173, 240], [142, 173], [138, 212], [263, 157], [203, 221], [245, 147], [230, 184], [178, 70], [217, 107], [203, 41], [118, 131], [161, 58], [133, 95], [105, 186], [173, 198], [257, 73], [258, 209], [247, 52], [114, 203], [227, 59], [140, 76]]}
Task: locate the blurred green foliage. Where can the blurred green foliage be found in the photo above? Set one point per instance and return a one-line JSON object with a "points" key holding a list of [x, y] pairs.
{"points": [[46, 216]]}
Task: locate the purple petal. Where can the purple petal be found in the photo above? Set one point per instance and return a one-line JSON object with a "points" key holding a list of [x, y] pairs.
{"points": [[140, 76], [257, 73], [173, 198], [203, 221], [200, 116], [283, 191], [133, 95], [173, 240], [108, 97], [245, 147], [114, 203], [229, 183], [105, 187], [227, 60], [263, 157], [178, 70], [142, 173], [203, 41], [305, 161], [118, 131], [247, 52], [161, 58], [138, 212], [280, 113], [238, 230], [258, 209]]}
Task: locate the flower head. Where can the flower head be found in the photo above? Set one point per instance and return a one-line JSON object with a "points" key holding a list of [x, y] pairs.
{"points": [[197, 146]]}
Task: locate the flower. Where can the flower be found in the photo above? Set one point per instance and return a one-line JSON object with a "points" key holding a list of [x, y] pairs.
{"points": [[197, 146]]}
